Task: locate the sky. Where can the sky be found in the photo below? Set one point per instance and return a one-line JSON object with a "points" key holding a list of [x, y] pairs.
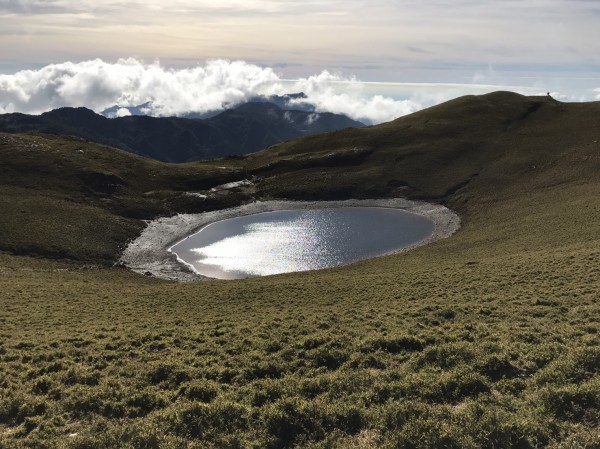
{"points": [[374, 59]]}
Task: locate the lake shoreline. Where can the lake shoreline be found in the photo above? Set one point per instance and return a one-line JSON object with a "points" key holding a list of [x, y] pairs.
{"points": [[149, 253]]}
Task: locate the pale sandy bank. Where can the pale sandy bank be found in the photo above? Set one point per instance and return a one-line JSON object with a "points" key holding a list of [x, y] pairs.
{"points": [[149, 255]]}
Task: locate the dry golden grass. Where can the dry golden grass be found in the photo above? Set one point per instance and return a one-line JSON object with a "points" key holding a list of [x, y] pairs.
{"points": [[488, 339]]}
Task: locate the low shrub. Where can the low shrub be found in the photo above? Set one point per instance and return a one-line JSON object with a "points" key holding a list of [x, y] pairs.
{"points": [[394, 345], [167, 375], [445, 356], [199, 390], [496, 368], [197, 420]]}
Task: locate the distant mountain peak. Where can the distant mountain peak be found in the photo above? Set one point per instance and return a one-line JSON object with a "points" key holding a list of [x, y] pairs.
{"points": [[286, 102], [124, 111], [246, 128]]}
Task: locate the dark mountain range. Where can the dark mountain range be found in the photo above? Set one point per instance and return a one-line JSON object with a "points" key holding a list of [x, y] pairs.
{"points": [[283, 101], [245, 129], [286, 101]]}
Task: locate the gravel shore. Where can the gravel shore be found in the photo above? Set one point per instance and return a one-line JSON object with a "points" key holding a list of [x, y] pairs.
{"points": [[149, 253]]}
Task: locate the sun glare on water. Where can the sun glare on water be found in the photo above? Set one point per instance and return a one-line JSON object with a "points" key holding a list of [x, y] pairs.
{"points": [[271, 248], [298, 240]]}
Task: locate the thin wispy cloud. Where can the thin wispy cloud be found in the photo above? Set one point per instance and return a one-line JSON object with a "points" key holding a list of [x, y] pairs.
{"points": [[425, 40]]}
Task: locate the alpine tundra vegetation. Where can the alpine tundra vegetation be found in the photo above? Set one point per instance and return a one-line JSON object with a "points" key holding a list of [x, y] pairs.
{"points": [[487, 339]]}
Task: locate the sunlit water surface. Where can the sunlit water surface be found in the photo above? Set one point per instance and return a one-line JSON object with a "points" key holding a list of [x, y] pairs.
{"points": [[298, 240]]}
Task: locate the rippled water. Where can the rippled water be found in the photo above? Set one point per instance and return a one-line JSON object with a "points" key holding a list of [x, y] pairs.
{"points": [[298, 240]]}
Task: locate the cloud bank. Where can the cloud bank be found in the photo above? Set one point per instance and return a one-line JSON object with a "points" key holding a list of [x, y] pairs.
{"points": [[128, 82], [216, 85]]}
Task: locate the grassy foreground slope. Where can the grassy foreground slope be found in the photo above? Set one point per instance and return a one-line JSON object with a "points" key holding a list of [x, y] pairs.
{"points": [[487, 339]]}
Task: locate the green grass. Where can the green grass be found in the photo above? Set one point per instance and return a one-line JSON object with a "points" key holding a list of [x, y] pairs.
{"points": [[489, 339]]}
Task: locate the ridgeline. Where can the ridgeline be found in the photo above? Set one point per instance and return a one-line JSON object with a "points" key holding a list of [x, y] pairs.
{"points": [[487, 339], [244, 129]]}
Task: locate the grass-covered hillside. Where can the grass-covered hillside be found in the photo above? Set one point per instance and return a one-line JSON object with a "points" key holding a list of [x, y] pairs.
{"points": [[487, 339], [244, 129]]}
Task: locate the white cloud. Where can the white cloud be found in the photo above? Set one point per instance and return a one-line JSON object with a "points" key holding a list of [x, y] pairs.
{"points": [[217, 84], [122, 112], [312, 118], [334, 93], [97, 85]]}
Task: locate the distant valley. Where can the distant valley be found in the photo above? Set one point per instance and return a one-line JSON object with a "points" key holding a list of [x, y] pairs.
{"points": [[244, 129]]}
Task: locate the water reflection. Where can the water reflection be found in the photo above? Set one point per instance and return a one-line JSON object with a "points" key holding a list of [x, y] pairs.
{"points": [[298, 240]]}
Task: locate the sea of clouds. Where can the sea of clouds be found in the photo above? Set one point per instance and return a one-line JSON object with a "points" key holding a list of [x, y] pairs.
{"points": [[212, 86]]}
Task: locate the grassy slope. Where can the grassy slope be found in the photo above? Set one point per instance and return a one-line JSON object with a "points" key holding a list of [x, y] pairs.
{"points": [[68, 198], [487, 339]]}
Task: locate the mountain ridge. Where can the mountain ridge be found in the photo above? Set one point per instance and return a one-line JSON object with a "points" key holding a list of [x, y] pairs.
{"points": [[469, 149], [286, 101], [249, 127]]}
